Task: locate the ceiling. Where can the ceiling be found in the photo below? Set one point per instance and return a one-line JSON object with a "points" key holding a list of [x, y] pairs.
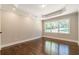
{"points": [[42, 9], [37, 10]]}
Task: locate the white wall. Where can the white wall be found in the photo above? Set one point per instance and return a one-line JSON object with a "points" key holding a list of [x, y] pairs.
{"points": [[18, 27], [78, 26], [0, 30], [73, 36]]}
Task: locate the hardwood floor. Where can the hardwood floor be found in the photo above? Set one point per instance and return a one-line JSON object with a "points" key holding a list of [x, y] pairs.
{"points": [[36, 47], [0, 52], [73, 47], [27, 48]]}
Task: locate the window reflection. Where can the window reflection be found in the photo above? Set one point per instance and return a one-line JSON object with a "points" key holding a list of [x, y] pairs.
{"points": [[47, 47], [63, 49], [53, 48]]}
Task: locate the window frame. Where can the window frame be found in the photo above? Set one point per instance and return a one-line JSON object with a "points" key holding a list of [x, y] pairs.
{"points": [[58, 26]]}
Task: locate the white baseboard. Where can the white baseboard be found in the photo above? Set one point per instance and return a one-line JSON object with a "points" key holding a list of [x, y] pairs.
{"points": [[61, 39], [17, 42]]}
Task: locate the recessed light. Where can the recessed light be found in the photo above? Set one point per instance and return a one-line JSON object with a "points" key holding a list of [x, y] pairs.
{"points": [[14, 9], [43, 6]]}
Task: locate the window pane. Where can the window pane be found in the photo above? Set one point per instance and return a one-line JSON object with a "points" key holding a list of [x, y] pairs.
{"points": [[63, 26], [47, 26], [51, 26], [54, 26]]}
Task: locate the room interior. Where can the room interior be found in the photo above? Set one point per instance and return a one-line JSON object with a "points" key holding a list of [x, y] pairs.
{"points": [[39, 29]]}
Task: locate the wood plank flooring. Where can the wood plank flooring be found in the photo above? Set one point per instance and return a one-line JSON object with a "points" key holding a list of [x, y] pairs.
{"points": [[36, 47]]}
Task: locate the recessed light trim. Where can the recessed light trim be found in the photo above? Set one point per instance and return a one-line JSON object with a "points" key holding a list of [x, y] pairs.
{"points": [[43, 6]]}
